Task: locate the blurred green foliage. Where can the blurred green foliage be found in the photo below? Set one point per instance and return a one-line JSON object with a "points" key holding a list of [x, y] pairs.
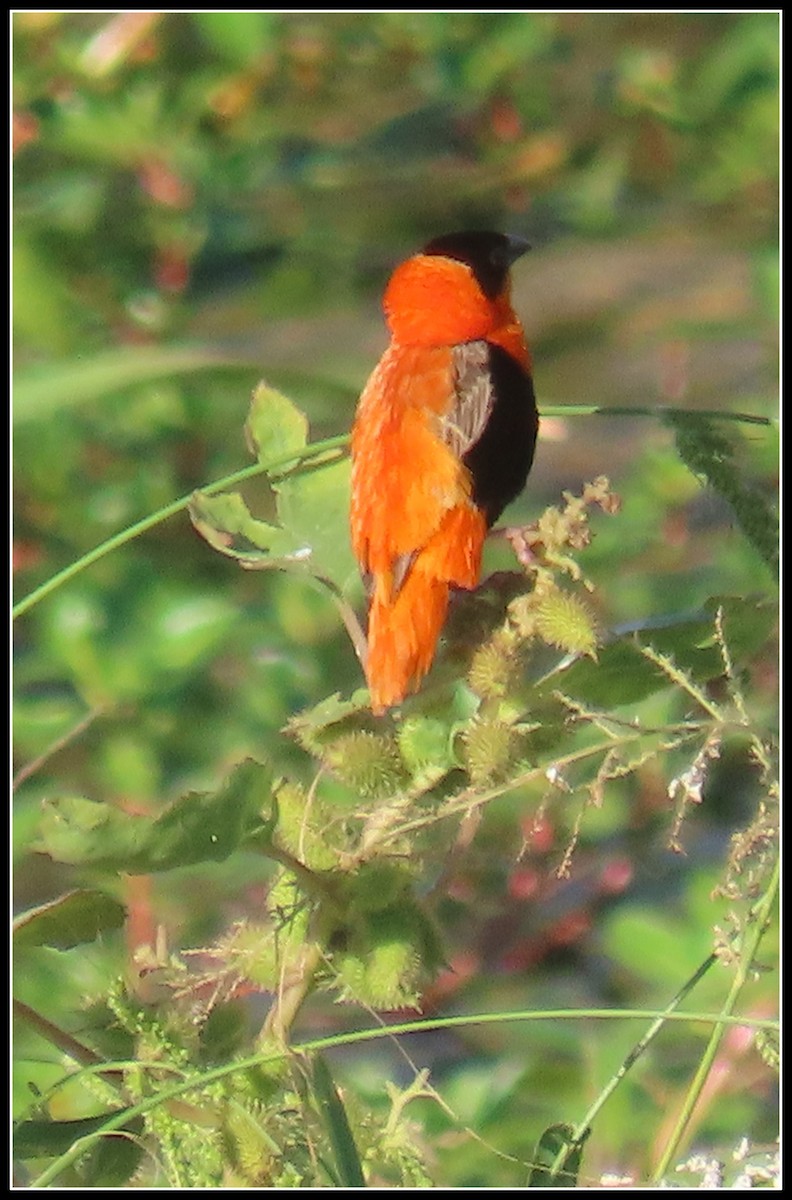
{"points": [[203, 199]]}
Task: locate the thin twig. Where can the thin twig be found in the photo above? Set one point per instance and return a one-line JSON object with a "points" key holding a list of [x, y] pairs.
{"points": [[63, 1040], [71, 735]]}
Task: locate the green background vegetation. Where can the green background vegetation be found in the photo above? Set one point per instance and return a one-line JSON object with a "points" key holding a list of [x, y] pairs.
{"points": [[205, 199]]}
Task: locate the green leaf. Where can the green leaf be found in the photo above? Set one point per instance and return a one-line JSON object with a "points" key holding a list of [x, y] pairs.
{"points": [[312, 502], [198, 827], [313, 507], [275, 427], [77, 917], [113, 1158], [620, 675], [44, 1139], [313, 534], [336, 1122], [315, 725], [227, 524], [557, 1140]]}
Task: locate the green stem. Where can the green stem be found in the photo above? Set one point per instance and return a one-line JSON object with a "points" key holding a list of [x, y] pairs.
{"points": [[656, 410], [196, 1084], [170, 510], [293, 990], [757, 922], [582, 1129]]}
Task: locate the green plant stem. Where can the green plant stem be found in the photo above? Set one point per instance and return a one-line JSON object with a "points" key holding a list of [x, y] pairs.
{"points": [[293, 989], [582, 1129], [368, 1035], [655, 410], [276, 467], [757, 922]]}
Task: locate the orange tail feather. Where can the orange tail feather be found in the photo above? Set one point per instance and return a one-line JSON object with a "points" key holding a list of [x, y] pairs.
{"points": [[402, 636], [404, 629]]}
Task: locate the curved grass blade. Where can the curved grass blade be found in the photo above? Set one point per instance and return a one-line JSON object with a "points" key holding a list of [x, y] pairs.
{"points": [[333, 1114]]}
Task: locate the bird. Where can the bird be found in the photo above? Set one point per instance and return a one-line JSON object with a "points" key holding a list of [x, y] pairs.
{"points": [[443, 439]]}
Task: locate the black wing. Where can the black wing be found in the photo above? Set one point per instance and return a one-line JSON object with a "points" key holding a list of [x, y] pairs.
{"points": [[493, 424]]}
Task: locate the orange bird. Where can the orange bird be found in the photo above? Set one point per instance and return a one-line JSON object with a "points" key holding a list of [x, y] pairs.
{"points": [[443, 440]]}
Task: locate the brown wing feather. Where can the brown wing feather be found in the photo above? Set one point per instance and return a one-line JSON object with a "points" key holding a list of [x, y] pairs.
{"points": [[492, 424], [466, 420]]}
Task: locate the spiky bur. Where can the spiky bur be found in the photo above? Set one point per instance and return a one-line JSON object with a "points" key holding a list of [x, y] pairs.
{"points": [[368, 763], [288, 907], [566, 622], [378, 884], [490, 748], [547, 612], [252, 1154], [264, 1145], [250, 952], [302, 827], [425, 748], [258, 953], [496, 665], [389, 957]]}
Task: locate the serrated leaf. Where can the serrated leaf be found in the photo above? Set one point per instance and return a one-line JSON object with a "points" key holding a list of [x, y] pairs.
{"points": [[275, 427], [228, 525], [312, 535], [198, 827], [620, 675], [77, 917], [557, 1140]]}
